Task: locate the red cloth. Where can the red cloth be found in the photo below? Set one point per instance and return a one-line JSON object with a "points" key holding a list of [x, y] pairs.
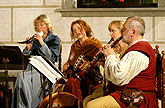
{"points": [[73, 86], [145, 80]]}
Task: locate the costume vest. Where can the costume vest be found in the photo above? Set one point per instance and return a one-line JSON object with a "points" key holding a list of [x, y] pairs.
{"points": [[145, 80]]}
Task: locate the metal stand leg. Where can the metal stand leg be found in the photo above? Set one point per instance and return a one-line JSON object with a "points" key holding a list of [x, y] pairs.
{"points": [[5, 61], [50, 94], [43, 87]]}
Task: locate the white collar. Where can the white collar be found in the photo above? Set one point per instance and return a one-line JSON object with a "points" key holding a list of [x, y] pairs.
{"points": [[137, 41]]}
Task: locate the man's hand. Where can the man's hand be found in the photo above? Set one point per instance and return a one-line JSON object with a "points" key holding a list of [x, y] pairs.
{"points": [[107, 50]]}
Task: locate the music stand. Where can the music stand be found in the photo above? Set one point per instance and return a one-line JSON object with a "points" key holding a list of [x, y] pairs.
{"points": [[48, 71], [11, 59]]}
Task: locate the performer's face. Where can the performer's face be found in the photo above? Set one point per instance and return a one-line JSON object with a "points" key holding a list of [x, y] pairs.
{"points": [[115, 32], [78, 31], [41, 26], [126, 32]]}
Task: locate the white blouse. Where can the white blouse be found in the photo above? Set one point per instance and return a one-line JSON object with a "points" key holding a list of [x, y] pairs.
{"points": [[123, 71]]}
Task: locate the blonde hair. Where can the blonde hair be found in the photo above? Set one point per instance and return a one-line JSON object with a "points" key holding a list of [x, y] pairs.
{"points": [[43, 18], [117, 23], [84, 26]]}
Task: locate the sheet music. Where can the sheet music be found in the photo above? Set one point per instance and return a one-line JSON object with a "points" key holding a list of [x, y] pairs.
{"points": [[44, 67]]}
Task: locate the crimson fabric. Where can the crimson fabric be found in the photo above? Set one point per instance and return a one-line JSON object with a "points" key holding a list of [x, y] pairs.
{"points": [[145, 80], [73, 86]]}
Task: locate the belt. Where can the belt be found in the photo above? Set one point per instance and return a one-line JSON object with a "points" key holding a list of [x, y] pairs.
{"points": [[148, 92]]}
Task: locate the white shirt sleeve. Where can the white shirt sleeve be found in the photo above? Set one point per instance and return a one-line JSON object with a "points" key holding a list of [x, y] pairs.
{"points": [[123, 71]]}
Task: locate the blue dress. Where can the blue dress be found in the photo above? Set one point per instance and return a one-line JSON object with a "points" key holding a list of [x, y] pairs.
{"points": [[27, 90]]}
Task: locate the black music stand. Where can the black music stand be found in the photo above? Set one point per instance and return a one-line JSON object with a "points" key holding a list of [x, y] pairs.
{"points": [[11, 58]]}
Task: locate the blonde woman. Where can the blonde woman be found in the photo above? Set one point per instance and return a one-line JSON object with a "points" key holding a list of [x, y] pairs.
{"points": [[27, 90], [115, 28]]}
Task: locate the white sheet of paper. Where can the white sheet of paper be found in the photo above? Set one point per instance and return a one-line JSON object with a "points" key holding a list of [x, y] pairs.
{"points": [[39, 63]]}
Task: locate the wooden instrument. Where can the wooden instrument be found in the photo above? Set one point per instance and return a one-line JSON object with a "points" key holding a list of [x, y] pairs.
{"points": [[61, 100], [93, 75], [99, 57]]}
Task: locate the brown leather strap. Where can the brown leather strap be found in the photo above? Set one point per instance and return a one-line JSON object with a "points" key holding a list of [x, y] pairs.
{"points": [[148, 92]]}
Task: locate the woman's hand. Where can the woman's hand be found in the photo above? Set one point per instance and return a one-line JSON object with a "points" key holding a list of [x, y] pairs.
{"points": [[39, 38], [66, 66], [28, 45], [83, 64], [102, 61]]}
